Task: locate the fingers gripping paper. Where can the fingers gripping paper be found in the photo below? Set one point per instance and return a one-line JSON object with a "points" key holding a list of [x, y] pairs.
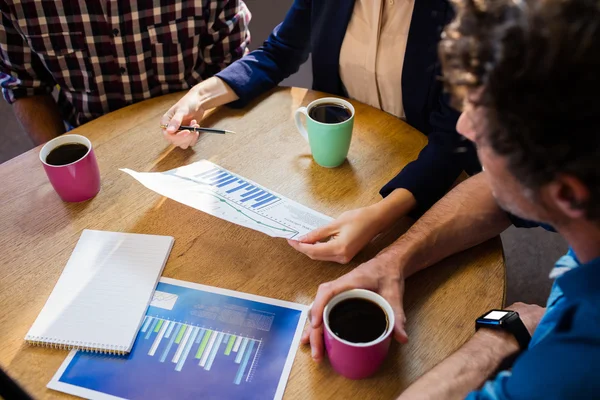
{"points": [[207, 187]]}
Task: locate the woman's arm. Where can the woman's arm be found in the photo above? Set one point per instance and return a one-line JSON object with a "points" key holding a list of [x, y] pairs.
{"points": [[413, 191], [440, 162], [280, 56]]}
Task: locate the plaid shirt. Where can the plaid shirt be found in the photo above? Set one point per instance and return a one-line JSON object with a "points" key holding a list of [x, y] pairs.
{"points": [[106, 54]]}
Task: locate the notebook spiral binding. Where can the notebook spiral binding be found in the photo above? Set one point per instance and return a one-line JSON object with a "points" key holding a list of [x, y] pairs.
{"points": [[97, 348]]}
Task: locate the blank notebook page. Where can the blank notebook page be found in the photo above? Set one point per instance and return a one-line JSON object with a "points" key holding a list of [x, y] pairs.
{"points": [[102, 295]]}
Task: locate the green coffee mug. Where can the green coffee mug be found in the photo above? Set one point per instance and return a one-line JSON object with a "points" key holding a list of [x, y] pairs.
{"points": [[329, 142]]}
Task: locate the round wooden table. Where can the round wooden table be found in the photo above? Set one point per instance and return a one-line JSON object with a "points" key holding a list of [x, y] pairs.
{"points": [[39, 233]]}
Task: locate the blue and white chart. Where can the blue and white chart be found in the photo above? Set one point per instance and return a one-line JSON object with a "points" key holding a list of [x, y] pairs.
{"points": [[207, 187], [196, 342]]}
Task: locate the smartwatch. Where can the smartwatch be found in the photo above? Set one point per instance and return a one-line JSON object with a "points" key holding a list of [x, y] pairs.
{"points": [[505, 320]]}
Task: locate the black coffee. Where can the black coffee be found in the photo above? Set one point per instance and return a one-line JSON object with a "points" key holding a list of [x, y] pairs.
{"points": [[358, 320], [330, 113], [66, 154]]}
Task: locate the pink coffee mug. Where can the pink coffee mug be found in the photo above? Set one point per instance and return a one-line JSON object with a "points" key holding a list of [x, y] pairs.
{"points": [[77, 181], [357, 360]]}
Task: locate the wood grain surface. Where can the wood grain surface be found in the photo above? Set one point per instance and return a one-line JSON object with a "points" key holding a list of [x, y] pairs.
{"points": [[39, 232]]}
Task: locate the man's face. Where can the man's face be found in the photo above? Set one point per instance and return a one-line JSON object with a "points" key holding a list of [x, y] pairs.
{"points": [[510, 194]]}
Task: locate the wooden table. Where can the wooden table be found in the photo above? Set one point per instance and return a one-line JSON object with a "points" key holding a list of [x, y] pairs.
{"points": [[39, 232]]}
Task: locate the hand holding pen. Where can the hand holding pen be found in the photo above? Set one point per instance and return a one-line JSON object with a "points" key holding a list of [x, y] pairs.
{"points": [[186, 136]]}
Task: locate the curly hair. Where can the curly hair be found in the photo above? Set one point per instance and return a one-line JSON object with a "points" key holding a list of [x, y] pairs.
{"points": [[537, 64]]}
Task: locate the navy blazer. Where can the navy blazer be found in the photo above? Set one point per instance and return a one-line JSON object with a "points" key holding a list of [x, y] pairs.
{"points": [[319, 27]]}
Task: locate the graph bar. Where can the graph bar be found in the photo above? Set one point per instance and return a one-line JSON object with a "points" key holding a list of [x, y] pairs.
{"points": [[267, 195], [253, 196], [187, 349], [200, 335], [203, 343], [253, 360], [171, 326], [240, 354], [180, 334], [250, 192], [225, 178], [218, 177], [230, 345], [236, 346], [159, 337], [182, 343], [227, 182], [267, 200], [235, 189], [208, 348], [238, 377], [152, 326], [166, 352], [214, 351], [147, 324]]}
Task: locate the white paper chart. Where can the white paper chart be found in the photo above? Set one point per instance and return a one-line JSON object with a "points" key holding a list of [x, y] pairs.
{"points": [[207, 187]]}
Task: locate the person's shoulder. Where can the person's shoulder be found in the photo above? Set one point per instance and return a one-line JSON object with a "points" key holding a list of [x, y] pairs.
{"points": [[562, 366]]}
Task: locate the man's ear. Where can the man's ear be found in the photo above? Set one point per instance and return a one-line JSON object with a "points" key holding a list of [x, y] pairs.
{"points": [[569, 195]]}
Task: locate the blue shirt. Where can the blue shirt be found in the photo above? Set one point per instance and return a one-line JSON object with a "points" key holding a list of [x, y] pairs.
{"points": [[562, 361]]}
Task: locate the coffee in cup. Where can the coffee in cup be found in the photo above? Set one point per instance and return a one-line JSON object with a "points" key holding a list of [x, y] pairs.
{"points": [[358, 320], [71, 166], [358, 332], [328, 131], [66, 154], [330, 113]]}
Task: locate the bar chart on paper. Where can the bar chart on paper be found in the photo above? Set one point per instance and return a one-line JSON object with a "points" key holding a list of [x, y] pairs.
{"points": [[195, 342], [198, 347], [221, 193]]}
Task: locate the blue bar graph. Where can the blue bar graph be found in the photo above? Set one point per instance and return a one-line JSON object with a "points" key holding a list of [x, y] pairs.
{"points": [[187, 349], [238, 359], [227, 179], [236, 190], [265, 200], [227, 182], [244, 364], [168, 333], [218, 177], [166, 352], [191, 344], [149, 332], [258, 194], [214, 351], [146, 324], [251, 192], [200, 336]]}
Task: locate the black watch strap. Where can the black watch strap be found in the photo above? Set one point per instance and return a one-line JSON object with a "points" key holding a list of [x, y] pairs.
{"points": [[511, 323], [516, 326]]}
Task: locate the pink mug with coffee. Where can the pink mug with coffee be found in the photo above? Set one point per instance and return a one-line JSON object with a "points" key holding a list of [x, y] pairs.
{"points": [[348, 354], [71, 166]]}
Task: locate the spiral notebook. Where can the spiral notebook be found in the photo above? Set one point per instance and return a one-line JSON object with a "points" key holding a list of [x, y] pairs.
{"points": [[100, 299]]}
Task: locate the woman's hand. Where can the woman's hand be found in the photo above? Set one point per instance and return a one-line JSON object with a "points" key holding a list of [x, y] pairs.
{"points": [[343, 238], [206, 95]]}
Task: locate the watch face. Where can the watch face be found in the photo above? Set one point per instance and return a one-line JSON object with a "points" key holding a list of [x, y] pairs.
{"points": [[495, 315]]}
